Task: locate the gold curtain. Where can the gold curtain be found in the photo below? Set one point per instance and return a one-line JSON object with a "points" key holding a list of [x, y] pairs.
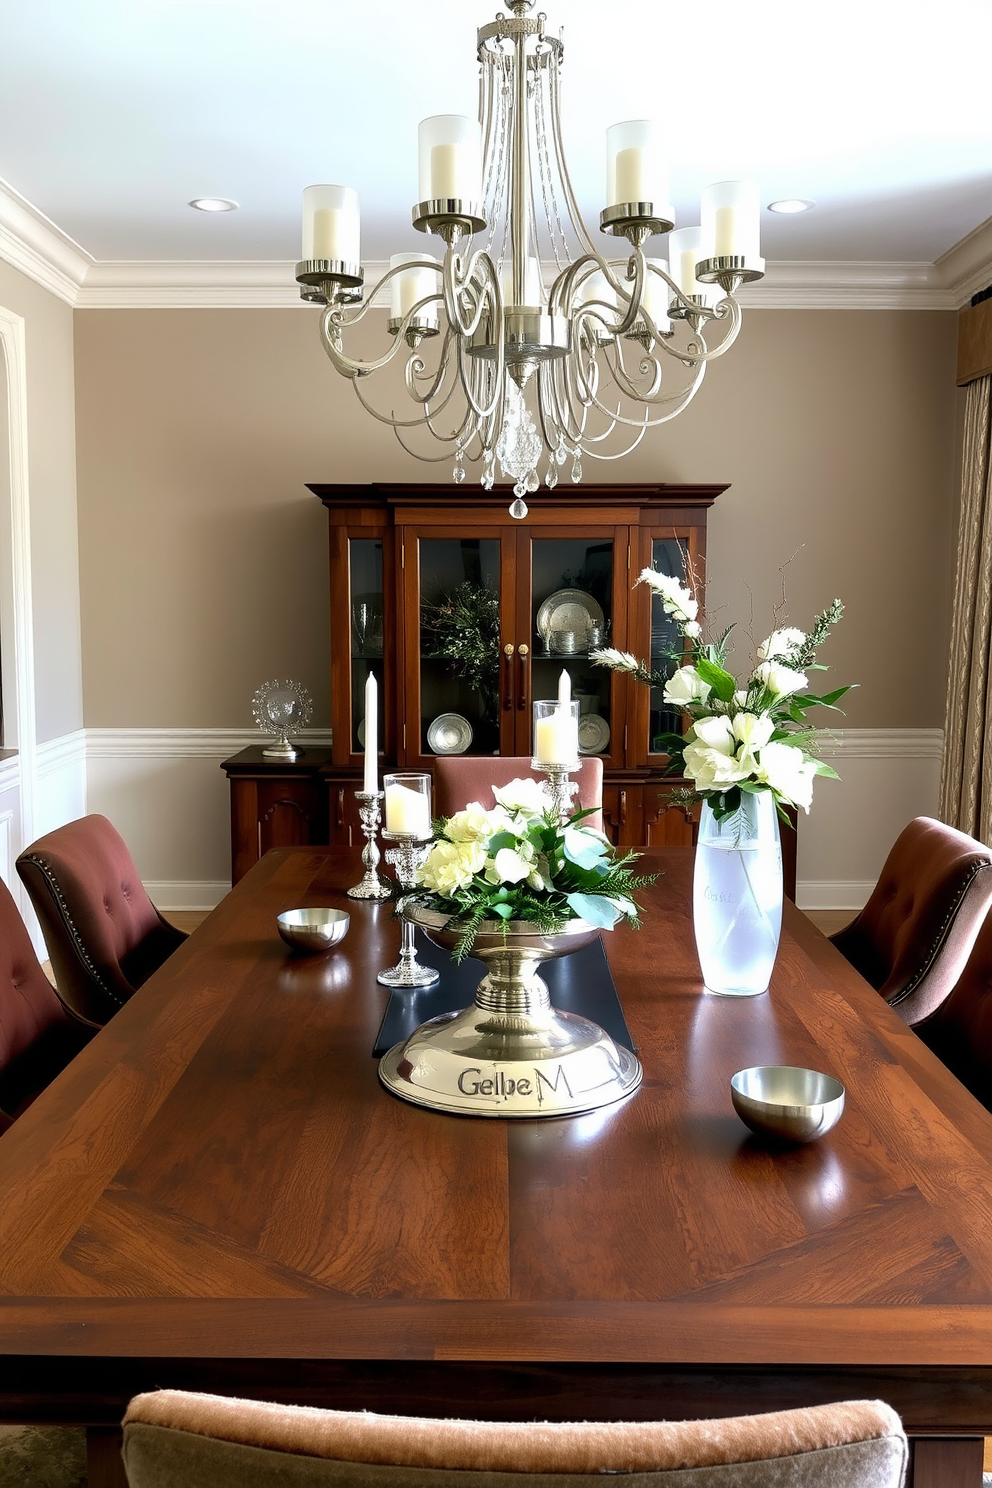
{"points": [[966, 780]]}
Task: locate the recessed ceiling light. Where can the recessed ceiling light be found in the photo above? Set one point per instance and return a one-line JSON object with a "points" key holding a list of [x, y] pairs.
{"points": [[791, 204], [213, 204]]}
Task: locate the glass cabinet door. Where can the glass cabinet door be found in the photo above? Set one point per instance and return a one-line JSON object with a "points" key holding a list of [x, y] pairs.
{"points": [[669, 555], [459, 655], [367, 634], [572, 604]]}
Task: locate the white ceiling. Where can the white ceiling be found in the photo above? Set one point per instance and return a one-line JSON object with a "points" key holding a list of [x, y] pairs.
{"points": [[114, 113]]}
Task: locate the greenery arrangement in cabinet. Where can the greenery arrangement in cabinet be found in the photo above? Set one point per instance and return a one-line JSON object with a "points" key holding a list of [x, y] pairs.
{"points": [[465, 616]]}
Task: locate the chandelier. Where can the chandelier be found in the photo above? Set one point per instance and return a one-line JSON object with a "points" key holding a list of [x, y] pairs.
{"points": [[499, 367]]}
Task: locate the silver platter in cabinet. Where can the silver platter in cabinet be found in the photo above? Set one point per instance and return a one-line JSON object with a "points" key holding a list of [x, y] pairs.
{"points": [[594, 733], [449, 733], [568, 609]]}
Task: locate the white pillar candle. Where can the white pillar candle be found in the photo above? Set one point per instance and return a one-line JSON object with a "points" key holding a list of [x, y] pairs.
{"points": [[731, 217], [409, 288], [630, 164], [407, 811], [556, 738], [332, 224], [450, 158], [371, 782]]}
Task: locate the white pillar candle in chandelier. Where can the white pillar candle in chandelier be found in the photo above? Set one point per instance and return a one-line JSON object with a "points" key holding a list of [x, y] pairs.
{"points": [[685, 249], [332, 224], [413, 285], [450, 159], [635, 170], [656, 295], [730, 217]]}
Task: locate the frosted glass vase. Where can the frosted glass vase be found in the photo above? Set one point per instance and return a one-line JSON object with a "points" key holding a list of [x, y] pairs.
{"points": [[737, 897]]}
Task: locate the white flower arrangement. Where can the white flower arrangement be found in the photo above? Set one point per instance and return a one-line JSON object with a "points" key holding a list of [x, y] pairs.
{"points": [[517, 862], [743, 736]]}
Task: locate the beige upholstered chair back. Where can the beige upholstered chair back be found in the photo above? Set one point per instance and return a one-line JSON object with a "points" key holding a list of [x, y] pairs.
{"points": [[175, 1440]]}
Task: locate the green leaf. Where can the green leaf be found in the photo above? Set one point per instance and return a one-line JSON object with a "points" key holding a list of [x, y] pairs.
{"points": [[722, 683], [593, 908], [504, 911], [500, 840], [586, 852], [826, 770]]}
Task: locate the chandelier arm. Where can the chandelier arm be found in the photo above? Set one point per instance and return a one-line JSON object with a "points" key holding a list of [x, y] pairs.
{"points": [[390, 419], [330, 338], [456, 284], [581, 231], [681, 401], [648, 367], [426, 459], [617, 454]]}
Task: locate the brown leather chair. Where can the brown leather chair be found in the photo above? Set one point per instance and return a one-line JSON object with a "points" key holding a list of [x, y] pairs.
{"points": [[461, 778], [104, 935], [913, 937], [177, 1440], [38, 1037], [960, 1030]]}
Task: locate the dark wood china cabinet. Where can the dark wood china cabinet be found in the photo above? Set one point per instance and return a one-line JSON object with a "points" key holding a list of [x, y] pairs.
{"points": [[537, 593]]}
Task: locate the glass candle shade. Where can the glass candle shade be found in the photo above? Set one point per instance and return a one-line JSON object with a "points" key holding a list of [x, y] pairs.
{"points": [[408, 288], [656, 296], [556, 733], [635, 171], [730, 213], [408, 806], [597, 289], [450, 159], [685, 250], [332, 224]]}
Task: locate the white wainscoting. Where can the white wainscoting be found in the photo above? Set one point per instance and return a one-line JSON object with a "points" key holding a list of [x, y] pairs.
{"points": [[165, 792], [888, 776]]}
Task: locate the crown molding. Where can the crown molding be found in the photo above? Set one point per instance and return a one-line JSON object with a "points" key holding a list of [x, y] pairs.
{"points": [[32, 243]]}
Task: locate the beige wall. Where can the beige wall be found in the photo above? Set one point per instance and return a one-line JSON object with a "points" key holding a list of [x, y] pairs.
{"points": [[202, 556], [48, 334]]}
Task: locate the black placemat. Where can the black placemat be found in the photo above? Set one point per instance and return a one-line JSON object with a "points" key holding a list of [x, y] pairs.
{"points": [[580, 983]]}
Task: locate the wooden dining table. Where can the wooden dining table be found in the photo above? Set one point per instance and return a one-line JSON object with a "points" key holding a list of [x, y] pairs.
{"points": [[219, 1195]]}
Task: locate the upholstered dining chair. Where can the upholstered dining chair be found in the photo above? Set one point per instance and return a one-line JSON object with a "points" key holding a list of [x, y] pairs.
{"points": [[960, 1030], [460, 778], [912, 939], [38, 1036], [104, 935], [177, 1440]]}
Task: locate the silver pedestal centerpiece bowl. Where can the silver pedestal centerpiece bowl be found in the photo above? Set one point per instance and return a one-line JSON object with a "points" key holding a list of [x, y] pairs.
{"points": [[511, 1053]]}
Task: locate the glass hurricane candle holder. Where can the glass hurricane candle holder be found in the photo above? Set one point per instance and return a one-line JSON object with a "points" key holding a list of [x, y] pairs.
{"points": [[408, 825], [556, 750]]}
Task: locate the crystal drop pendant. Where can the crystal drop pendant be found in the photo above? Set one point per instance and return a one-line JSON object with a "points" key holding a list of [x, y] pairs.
{"points": [[487, 478], [576, 470], [458, 474], [551, 479], [561, 454], [533, 481], [518, 508]]}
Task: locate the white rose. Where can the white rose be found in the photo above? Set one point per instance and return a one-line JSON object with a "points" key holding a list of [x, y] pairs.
{"points": [[509, 866], [471, 825], [716, 732], [451, 866], [752, 729], [710, 768], [781, 681], [786, 769], [527, 795], [686, 686], [781, 643]]}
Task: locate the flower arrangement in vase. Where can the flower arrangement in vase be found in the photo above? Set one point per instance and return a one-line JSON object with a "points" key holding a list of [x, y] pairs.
{"points": [[517, 862], [750, 754], [516, 886]]}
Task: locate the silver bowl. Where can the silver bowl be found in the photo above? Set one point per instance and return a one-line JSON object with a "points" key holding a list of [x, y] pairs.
{"points": [[793, 1105], [313, 930]]}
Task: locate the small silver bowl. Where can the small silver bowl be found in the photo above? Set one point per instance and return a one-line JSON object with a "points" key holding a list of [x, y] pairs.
{"points": [[793, 1105], [313, 930]]}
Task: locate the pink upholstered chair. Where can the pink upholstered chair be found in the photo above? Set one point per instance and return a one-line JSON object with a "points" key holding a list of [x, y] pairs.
{"points": [[38, 1036], [177, 1440], [460, 778], [104, 935], [913, 937]]}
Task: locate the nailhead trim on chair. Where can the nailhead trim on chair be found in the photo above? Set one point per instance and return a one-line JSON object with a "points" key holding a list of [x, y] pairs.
{"points": [[77, 941], [948, 920]]}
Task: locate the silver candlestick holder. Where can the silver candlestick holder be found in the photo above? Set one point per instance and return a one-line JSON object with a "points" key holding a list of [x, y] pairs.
{"points": [[371, 886], [561, 788], [409, 854]]}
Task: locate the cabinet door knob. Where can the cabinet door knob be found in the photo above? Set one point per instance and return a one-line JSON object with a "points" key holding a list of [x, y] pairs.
{"points": [[508, 649], [623, 807], [524, 650]]}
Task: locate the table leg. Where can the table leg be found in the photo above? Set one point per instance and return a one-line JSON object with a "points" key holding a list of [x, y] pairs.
{"points": [[104, 1464], [947, 1462]]}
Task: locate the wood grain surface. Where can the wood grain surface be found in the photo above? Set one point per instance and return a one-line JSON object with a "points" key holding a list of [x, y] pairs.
{"points": [[218, 1193]]}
